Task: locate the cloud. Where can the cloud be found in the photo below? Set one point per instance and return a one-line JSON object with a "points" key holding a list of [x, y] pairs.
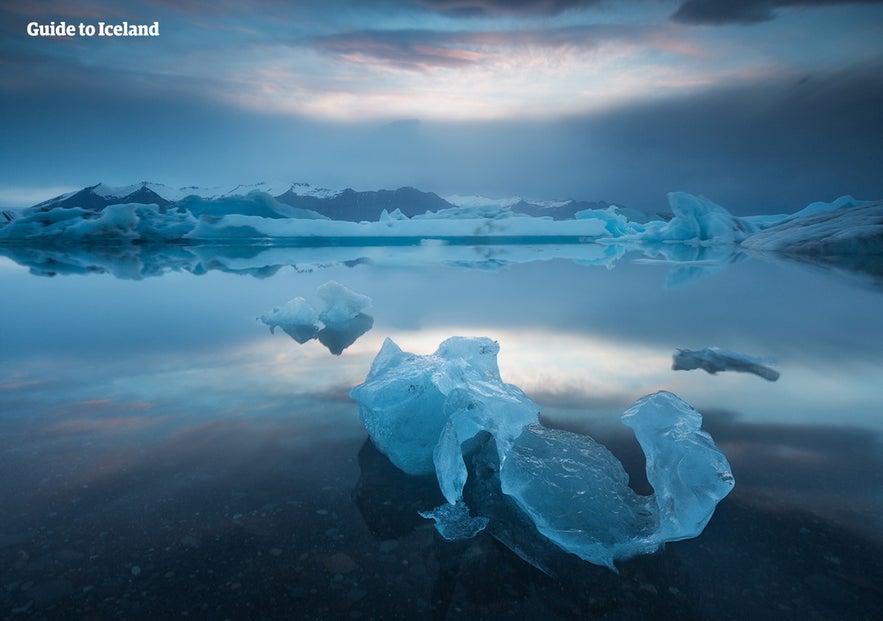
{"points": [[758, 146], [61, 9], [407, 49], [425, 49], [770, 145], [495, 8], [719, 12]]}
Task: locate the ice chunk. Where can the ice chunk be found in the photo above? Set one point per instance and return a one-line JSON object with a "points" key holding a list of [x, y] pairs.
{"points": [[844, 227], [407, 400], [454, 521], [343, 320], [436, 412], [297, 318], [713, 360], [341, 304], [697, 220], [615, 223], [119, 223], [577, 494], [688, 473]]}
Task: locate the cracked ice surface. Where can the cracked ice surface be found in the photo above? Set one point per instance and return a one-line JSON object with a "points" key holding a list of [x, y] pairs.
{"points": [[425, 412]]}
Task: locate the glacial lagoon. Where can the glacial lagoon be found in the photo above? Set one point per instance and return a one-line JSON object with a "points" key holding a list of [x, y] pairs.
{"points": [[164, 455]]}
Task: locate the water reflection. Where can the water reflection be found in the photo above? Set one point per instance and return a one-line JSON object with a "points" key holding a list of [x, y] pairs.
{"points": [[341, 334], [149, 423], [776, 536], [688, 262]]}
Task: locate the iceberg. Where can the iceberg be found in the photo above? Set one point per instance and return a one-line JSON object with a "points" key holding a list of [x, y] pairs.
{"points": [[341, 304], [297, 318], [449, 413], [845, 226], [714, 360], [697, 220], [408, 400], [338, 326]]}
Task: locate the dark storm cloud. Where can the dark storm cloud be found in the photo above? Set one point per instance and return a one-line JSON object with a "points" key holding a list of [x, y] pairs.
{"points": [[768, 146], [788, 140], [719, 12], [490, 8]]}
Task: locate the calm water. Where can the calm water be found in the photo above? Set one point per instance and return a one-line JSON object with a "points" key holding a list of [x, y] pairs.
{"points": [[162, 455]]}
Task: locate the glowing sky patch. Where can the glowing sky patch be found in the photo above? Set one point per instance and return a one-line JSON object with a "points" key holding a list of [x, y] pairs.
{"points": [[675, 92]]}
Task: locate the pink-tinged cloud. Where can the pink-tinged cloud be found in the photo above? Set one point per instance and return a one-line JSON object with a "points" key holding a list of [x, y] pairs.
{"points": [[19, 384], [421, 50], [516, 8], [403, 49]]}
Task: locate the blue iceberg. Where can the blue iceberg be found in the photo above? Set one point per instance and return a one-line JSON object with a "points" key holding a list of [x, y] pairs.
{"points": [[450, 413], [343, 319], [297, 318]]}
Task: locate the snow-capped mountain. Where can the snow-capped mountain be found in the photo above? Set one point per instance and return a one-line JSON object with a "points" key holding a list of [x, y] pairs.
{"points": [[345, 205], [96, 197]]}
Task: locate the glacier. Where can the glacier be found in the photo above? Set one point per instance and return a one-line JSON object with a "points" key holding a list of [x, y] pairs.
{"points": [[500, 470], [714, 360]]}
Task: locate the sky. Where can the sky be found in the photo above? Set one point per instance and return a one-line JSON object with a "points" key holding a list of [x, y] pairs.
{"points": [[761, 105]]}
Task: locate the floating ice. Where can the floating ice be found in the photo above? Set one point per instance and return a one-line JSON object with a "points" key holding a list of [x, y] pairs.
{"points": [[297, 318], [451, 413], [407, 401], [341, 304], [714, 360], [343, 319], [844, 227], [119, 223], [697, 220]]}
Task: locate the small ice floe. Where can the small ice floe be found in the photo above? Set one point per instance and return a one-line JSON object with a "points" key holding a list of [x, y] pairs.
{"points": [[714, 360], [297, 318], [340, 323]]}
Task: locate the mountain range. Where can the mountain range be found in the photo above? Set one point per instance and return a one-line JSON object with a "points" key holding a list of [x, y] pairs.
{"points": [[342, 205]]}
